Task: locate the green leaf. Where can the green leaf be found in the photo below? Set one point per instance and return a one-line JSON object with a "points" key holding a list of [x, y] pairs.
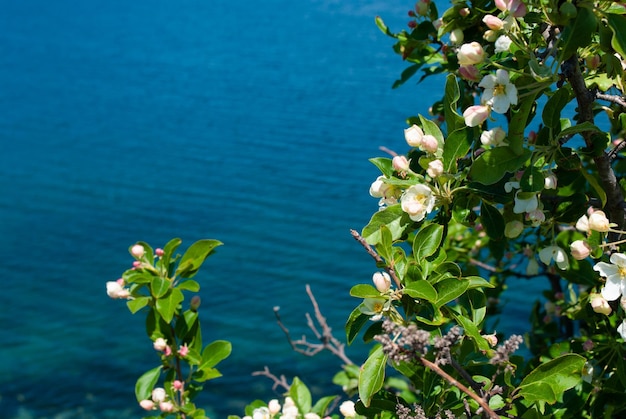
{"points": [[160, 286], [579, 33], [167, 305], [549, 380], [551, 115], [492, 165], [617, 23], [431, 128], [145, 383], [393, 217], [384, 248], [477, 282], [450, 100], [300, 395], [168, 253], [322, 405], [591, 179], [450, 289], [214, 353], [519, 120], [384, 165], [427, 241], [456, 146], [364, 291], [492, 220], [189, 285], [194, 257], [137, 304], [355, 323], [372, 375], [579, 128], [421, 290], [471, 330], [407, 73], [384, 29]]}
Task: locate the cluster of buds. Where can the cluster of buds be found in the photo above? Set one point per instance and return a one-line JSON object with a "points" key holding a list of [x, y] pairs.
{"points": [[289, 410], [159, 400]]}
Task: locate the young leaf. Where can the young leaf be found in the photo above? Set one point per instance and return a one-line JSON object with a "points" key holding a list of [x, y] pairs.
{"points": [[137, 304], [195, 256], [145, 383], [491, 166], [549, 380], [393, 217], [355, 323], [421, 290], [427, 241], [364, 291], [450, 289], [492, 220], [159, 286], [321, 407], [167, 305], [300, 395], [456, 146], [372, 375], [552, 110], [214, 353]]}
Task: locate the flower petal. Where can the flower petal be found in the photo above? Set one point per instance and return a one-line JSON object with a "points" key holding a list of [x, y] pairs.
{"points": [[612, 289]]}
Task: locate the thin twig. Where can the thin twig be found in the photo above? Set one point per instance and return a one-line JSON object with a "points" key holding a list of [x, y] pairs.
{"points": [[327, 340], [377, 258], [454, 382], [612, 98], [277, 382]]}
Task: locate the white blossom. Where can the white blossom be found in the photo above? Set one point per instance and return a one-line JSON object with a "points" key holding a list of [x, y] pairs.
{"points": [[555, 253], [615, 274], [525, 203], [499, 92], [503, 43], [417, 201]]}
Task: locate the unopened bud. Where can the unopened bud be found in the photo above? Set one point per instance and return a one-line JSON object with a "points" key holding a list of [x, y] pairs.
{"points": [[600, 305], [137, 251], [194, 304]]}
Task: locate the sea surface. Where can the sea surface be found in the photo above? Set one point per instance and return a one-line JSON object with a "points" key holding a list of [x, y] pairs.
{"points": [[246, 122]]}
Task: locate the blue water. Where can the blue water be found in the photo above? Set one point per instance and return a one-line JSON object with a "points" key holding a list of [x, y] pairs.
{"points": [[146, 120]]}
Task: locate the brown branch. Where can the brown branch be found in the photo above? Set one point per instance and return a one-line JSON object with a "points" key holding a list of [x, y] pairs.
{"points": [[585, 99], [277, 382], [377, 258], [327, 340], [488, 411]]}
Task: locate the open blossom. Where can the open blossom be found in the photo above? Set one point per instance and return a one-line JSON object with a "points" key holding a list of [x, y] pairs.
{"points": [[499, 92], [417, 201], [536, 217], [525, 202], [555, 253], [471, 53], [476, 115], [615, 274], [159, 344], [388, 194], [261, 413], [413, 136], [503, 43], [621, 329]]}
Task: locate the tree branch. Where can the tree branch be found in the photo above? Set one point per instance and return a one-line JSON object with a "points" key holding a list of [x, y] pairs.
{"points": [[377, 258], [277, 382]]}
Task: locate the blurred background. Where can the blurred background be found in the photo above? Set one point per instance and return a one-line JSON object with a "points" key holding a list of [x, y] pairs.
{"points": [[147, 120]]}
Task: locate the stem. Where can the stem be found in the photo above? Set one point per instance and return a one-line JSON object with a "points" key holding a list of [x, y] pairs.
{"points": [[491, 414], [377, 258]]}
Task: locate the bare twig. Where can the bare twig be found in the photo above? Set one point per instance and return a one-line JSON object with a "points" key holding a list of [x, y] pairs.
{"points": [[612, 98], [282, 381], [488, 411], [377, 258], [327, 340]]}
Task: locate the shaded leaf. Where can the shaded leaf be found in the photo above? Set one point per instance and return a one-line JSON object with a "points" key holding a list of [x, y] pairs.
{"points": [[427, 241], [549, 380], [492, 165], [372, 375]]}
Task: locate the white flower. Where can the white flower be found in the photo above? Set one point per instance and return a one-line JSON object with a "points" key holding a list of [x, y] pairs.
{"points": [[555, 253], [413, 136], [347, 409], [387, 193], [435, 168], [621, 329], [525, 203], [290, 410], [503, 43], [159, 344], [583, 224], [400, 163], [509, 186], [417, 201], [166, 407], [159, 395], [146, 404], [429, 144], [311, 416], [493, 22], [374, 307], [273, 406], [494, 137], [116, 290], [261, 413], [382, 281], [499, 92], [599, 222], [579, 249], [615, 274]]}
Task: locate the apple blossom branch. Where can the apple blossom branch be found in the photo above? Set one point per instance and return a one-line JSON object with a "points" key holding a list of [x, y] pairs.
{"points": [[377, 258], [322, 332], [282, 381]]}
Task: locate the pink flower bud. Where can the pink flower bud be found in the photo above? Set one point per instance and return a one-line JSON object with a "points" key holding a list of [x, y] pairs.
{"points": [[177, 384], [429, 144], [579, 249], [464, 12], [493, 22], [166, 407], [588, 345], [476, 115], [469, 72], [412, 24], [600, 305], [435, 168], [116, 290], [382, 281], [471, 53], [183, 350], [146, 404], [195, 303], [400, 163], [136, 264], [159, 252], [491, 339], [517, 8], [137, 251]]}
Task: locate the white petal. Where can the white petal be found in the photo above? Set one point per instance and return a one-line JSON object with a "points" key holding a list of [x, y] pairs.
{"points": [[502, 76], [546, 254], [621, 329], [606, 269], [500, 103], [612, 289], [618, 259], [511, 93], [488, 82]]}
